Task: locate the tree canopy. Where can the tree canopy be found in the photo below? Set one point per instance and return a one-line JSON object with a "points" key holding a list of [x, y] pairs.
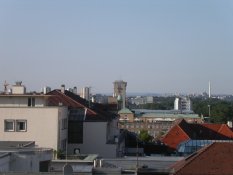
{"points": [[220, 111], [144, 136]]}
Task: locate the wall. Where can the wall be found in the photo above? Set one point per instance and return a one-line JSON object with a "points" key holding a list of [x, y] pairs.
{"points": [[62, 131], [4, 162], [21, 101], [42, 125], [112, 130], [29, 161], [127, 117], [95, 141], [78, 166]]}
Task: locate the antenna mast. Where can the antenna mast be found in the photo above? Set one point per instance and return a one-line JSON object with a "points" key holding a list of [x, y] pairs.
{"points": [[5, 86]]}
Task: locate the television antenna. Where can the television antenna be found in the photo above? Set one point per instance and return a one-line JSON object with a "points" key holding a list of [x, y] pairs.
{"points": [[5, 86]]}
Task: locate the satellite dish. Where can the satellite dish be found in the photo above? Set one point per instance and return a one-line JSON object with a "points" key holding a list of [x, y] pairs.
{"points": [[76, 151]]}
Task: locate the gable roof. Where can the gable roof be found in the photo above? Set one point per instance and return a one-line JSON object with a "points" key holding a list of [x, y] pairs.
{"points": [[183, 131], [73, 101], [216, 158]]}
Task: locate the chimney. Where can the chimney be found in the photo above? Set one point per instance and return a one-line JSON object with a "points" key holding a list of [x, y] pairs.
{"points": [[63, 88]]}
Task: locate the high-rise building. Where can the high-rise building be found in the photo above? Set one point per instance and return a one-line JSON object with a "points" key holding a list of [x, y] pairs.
{"points": [[85, 93], [120, 92], [183, 104]]}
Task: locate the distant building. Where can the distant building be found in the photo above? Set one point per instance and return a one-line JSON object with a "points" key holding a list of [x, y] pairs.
{"points": [[120, 93], [46, 89], [85, 93], [156, 122], [183, 104], [150, 99], [140, 100], [204, 132], [102, 99]]}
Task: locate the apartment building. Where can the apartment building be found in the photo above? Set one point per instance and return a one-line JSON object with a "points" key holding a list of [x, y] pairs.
{"points": [[27, 117], [91, 129], [183, 104]]}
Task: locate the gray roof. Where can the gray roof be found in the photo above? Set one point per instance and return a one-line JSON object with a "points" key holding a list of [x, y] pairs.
{"points": [[15, 144]]}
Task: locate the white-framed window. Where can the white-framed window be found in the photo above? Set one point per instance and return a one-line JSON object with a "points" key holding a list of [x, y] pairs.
{"points": [[21, 125], [9, 125]]}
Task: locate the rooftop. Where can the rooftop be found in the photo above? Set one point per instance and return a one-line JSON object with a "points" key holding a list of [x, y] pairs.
{"points": [[184, 131], [216, 158], [125, 111], [92, 111]]}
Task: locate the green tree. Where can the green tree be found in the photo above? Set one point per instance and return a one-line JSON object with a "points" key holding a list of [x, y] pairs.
{"points": [[144, 136], [220, 110]]}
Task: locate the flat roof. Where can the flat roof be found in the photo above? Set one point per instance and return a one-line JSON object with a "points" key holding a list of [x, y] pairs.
{"points": [[153, 115], [15, 144], [24, 95]]}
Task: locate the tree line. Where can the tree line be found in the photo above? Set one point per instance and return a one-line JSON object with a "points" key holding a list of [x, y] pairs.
{"points": [[213, 109], [218, 111]]}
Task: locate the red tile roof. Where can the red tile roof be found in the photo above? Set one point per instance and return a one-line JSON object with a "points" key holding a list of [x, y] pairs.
{"points": [[175, 136], [215, 159], [72, 100], [183, 131]]}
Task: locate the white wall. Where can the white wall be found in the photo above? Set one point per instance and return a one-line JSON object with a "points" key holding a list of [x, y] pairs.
{"points": [[95, 141], [42, 125], [21, 101]]}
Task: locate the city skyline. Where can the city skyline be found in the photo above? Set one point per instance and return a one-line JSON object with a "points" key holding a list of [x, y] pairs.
{"points": [[155, 46]]}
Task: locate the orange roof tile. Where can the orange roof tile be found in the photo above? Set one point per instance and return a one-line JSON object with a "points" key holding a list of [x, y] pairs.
{"points": [[214, 159], [183, 131]]}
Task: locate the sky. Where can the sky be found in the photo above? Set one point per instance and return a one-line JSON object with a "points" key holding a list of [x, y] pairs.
{"points": [[156, 46]]}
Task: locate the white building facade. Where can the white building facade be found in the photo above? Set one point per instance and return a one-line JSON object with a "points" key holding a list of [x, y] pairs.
{"points": [[85, 93], [104, 142], [26, 117], [183, 104]]}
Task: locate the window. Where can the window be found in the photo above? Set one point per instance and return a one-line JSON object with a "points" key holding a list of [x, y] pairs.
{"points": [[64, 123], [9, 125], [31, 101], [75, 132], [21, 125]]}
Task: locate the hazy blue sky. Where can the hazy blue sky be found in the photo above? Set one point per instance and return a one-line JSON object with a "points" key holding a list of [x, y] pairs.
{"points": [[155, 45]]}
